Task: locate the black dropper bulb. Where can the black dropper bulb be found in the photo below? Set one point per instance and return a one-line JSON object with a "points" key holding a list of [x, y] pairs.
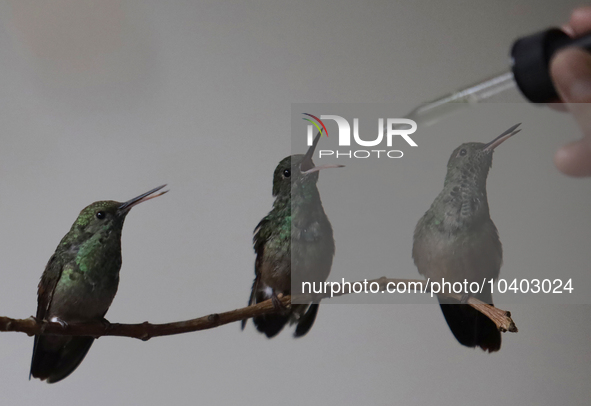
{"points": [[531, 57]]}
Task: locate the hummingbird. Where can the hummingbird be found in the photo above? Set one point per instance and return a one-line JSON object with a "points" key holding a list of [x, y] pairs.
{"points": [[457, 240], [295, 240], [79, 284]]}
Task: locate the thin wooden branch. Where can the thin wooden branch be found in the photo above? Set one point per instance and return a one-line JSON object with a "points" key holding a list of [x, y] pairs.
{"points": [[145, 331], [501, 318]]}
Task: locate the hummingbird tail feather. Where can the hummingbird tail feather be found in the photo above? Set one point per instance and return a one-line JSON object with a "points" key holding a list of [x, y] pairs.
{"points": [[306, 321], [269, 324], [470, 327], [251, 299], [55, 357]]}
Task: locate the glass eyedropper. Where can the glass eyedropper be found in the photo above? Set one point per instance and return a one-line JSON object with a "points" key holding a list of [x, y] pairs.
{"points": [[529, 72]]}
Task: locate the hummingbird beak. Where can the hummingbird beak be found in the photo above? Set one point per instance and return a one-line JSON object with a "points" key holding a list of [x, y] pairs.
{"points": [[307, 166], [501, 138], [125, 207], [318, 168]]}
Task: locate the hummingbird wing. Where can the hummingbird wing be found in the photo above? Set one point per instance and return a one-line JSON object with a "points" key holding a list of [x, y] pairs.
{"points": [[306, 321], [270, 324], [47, 284], [258, 241], [262, 233], [54, 357], [45, 289], [252, 299]]}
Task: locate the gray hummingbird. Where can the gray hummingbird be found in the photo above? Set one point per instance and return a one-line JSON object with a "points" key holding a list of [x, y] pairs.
{"points": [[79, 284], [294, 241], [457, 240]]}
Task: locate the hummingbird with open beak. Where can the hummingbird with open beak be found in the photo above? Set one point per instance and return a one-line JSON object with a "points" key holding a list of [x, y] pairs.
{"points": [[293, 244], [79, 284], [457, 240]]}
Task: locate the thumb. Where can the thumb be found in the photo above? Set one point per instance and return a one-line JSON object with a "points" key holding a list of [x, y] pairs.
{"points": [[571, 73]]}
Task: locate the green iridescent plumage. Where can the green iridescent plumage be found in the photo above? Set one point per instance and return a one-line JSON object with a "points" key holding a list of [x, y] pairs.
{"points": [[293, 243], [79, 284]]}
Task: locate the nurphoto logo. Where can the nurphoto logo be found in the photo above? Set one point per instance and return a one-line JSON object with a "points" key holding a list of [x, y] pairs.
{"points": [[402, 127]]}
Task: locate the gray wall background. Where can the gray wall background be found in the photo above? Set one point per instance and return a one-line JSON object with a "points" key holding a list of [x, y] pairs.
{"points": [[107, 99]]}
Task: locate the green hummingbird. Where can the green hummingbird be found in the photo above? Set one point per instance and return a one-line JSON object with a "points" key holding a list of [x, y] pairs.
{"points": [[295, 240], [79, 284], [457, 240]]}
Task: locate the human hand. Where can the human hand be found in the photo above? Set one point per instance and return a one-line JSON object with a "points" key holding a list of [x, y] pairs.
{"points": [[571, 73]]}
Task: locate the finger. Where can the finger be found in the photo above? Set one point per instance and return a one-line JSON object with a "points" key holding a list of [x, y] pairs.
{"points": [[580, 22], [574, 159], [571, 73]]}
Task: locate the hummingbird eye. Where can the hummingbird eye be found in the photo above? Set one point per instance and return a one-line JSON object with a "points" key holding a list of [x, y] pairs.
{"points": [[286, 173], [463, 152], [101, 215]]}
